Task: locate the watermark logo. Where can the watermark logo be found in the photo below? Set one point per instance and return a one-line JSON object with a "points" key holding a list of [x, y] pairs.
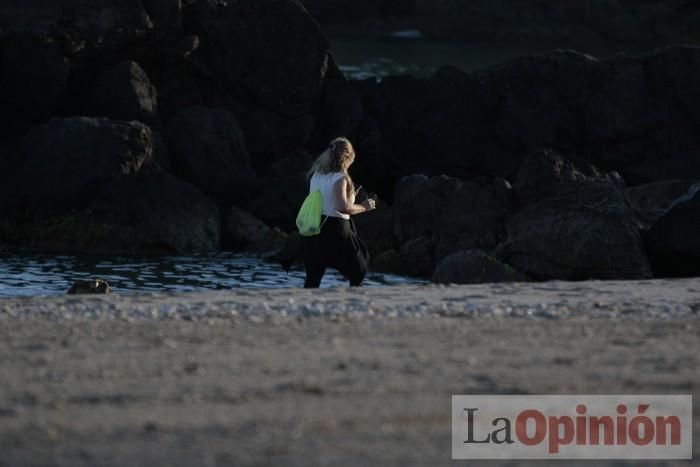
{"points": [[572, 427]]}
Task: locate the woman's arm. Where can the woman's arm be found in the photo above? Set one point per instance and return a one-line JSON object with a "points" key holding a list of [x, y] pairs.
{"points": [[345, 206]]}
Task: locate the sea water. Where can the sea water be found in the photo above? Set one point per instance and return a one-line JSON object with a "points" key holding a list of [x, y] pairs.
{"points": [[45, 274]]}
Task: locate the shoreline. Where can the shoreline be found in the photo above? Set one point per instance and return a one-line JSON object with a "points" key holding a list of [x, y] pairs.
{"points": [[647, 299]]}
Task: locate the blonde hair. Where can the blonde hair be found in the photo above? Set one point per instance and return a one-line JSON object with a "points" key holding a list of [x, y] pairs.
{"points": [[334, 159]]}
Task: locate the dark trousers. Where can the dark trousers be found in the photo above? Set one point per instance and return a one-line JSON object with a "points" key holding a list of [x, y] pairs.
{"points": [[338, 246]]}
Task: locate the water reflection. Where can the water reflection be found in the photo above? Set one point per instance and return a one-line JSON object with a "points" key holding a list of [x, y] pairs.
{"points": [[28, 275]]}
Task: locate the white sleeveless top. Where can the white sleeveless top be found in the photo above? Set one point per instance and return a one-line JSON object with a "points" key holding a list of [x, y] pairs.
{"points": [[324, 183]]}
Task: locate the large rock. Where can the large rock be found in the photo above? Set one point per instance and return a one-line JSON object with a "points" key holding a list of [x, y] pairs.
{"points": [[33, 81], [147, 213], [166, 15], [388, 262], [454, 214], [150, 213], [65, 162], [90, 20], [629, 115], [673, 242], [474, 267], [579, 228], [262, 56], [276, 200], [417, 257], [340, 109], [125, 93], [207, 148], [241, 231]]}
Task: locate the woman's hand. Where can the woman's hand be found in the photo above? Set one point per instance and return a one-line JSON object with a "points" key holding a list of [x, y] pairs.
{"points": [[344, 203]]}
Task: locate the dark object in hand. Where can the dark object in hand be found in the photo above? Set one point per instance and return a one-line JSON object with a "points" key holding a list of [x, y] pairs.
{"points": [[373, 196]]}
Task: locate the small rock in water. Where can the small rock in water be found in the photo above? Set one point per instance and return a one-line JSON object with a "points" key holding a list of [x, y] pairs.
{"points": [[96, 286]]}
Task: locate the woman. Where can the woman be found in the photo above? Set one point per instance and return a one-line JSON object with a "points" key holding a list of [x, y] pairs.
{"points": [[337, 246]]}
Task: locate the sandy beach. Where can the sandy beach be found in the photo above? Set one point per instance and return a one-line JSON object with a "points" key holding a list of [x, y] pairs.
{"points": [[333, 377]]}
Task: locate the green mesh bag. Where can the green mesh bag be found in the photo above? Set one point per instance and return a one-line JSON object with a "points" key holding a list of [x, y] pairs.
{"points": [[309, 217]]}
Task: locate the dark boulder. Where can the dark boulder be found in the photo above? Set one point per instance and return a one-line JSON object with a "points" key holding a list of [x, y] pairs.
{"points": [[125, 93], [673, 242], [544, 170], [276, 200], [418, 257], [150, 213], [262, 55], [474, 267], [207, 148], [90, 20], [580, 228], [33, 81], [241, 231], [425, 125], [64, 163], [340, 108], [283, 71], [630, 115], [388, 262], [166, 15], [454, 214], [178, 88]]}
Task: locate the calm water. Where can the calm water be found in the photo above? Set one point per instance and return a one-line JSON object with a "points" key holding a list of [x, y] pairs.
{"points": [[362, 59], [24, 275]]}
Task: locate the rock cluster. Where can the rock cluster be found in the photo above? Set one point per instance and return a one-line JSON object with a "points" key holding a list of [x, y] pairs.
{"points": [[175, 126]]}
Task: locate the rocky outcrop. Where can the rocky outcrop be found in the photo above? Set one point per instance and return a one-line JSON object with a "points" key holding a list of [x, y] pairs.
{"points": [[125, 93], [579, 228], [673, 242], [64, 163], [452, 214], [89, 20], [84, 184], [207, 149], [276, 200], [33, 81], [153, 213], [273, 92], [241, 231], [143, 214], [236, 98], [474, 267], [417, 257], [635, 116]]}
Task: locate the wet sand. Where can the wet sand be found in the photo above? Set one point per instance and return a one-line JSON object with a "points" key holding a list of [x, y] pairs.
{"points": [[334, 377]]}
